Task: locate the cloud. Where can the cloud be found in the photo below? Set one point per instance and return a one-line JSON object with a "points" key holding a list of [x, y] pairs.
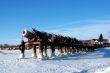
{"points": [[80, 22], [88, 32], [86, 29]]}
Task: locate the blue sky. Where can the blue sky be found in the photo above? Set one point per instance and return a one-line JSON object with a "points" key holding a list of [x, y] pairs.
{"points": [[84, 19]]}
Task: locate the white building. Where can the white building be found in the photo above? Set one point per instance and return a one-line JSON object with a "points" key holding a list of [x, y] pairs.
{"points": [[109, 40]]}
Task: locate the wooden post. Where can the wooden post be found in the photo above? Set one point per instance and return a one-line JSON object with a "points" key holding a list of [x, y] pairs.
{"points": [[86, 49], [79, 49], [40, 51], [22, 49], [59, 51], [65, 52], [82, 49], [45, 51], [34, 51], [21, 55], [72, 50], [52, 50], [69, 50]]}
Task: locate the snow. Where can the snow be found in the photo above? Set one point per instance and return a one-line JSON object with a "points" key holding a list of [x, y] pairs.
{"points": [[91, 62], [107, 70]]}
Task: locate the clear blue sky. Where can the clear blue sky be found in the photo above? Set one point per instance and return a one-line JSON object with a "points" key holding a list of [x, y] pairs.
{"points": [[84, 19]]}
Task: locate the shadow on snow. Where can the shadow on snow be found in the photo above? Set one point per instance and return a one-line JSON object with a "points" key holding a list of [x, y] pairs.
{"points": [[99, 53]]}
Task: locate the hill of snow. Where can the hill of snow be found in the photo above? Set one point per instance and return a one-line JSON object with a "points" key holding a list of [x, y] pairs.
{"points": [[91, 62]]}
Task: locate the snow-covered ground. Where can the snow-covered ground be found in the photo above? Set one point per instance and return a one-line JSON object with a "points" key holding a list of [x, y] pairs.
{"points": [[91, 62]]}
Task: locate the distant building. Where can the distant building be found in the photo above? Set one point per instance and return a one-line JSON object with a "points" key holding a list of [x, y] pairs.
{"points": [[94, 41], [105, 41], [89, 42], [109, 40], [9, 47], [86, 42]]}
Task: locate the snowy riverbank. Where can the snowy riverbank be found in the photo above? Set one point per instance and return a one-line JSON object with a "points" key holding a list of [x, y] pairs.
{"points": [[95, 62]]}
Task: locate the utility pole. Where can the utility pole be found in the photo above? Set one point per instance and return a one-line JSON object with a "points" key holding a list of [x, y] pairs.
{"points": [[22, 38], [109, 38]]}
